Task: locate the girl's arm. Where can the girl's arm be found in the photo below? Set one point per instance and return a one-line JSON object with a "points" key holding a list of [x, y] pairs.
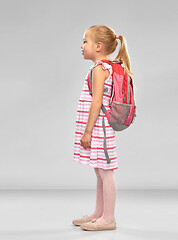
{"points": [[98, 78]]}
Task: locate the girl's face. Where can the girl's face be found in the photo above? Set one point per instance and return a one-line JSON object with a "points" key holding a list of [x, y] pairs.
{"points": [[88, 47]]}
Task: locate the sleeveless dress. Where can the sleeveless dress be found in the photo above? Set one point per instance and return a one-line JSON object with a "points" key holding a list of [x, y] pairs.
{"points": [[95, 156]]}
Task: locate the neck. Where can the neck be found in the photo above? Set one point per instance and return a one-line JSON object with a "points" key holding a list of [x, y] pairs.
{"points": [[101, 58]]}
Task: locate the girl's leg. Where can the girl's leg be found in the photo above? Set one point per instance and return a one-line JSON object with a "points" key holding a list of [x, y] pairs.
{"points": [[99, 196], [110, 191]]}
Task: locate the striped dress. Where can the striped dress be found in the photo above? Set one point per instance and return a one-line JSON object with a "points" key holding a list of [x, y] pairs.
{"points": [[95, 156]]}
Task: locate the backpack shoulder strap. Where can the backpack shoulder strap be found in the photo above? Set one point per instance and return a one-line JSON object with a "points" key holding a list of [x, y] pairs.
{"points": [[105, 113]]}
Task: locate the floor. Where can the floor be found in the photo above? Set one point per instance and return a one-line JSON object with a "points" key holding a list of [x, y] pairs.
{"points": [[48, 215]]}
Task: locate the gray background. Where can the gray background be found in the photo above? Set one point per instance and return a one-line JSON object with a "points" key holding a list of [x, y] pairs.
{"points": [[42, 73]]}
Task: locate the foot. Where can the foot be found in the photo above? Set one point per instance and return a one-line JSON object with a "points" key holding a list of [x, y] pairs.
{"points": [[94, 216], [84, 219], [102, 220], [95, 225]]}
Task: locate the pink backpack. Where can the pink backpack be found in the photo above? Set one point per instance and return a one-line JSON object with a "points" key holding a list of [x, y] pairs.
{"points": [[122, 104]]}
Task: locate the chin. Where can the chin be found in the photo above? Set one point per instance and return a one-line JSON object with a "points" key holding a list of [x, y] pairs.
{"points": [[86, 57]]}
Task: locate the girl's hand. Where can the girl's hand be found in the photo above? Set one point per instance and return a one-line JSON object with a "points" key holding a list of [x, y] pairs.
{"points": [[86, 140]]}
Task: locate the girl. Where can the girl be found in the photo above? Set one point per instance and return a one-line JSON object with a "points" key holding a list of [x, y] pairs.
{"points": [[98, 42]]}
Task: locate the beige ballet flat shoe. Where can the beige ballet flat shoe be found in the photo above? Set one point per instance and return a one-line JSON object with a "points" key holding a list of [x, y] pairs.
{"points": [[84, 219], [94, 226]]}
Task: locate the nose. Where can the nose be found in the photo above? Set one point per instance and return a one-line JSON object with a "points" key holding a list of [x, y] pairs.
{"points": [[81, 46]]}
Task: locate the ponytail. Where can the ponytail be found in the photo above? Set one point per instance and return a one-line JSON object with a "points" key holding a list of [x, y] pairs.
{"points": [[123, 55]]}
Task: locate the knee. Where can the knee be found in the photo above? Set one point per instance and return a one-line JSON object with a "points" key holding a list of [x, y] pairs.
{"points": [[97, 172], [104, 173]]}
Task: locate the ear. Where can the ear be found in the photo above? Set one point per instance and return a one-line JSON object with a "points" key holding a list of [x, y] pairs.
{"points": [[99, 46]]}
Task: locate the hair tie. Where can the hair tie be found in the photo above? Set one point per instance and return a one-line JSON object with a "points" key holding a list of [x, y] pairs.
{"points": [[117, 36]]}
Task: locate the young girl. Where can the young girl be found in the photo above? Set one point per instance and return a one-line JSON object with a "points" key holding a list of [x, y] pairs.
{"points": [[98, 42]]}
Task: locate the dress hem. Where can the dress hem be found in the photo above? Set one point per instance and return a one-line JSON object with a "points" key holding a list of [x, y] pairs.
{"points": [[94, 166]]}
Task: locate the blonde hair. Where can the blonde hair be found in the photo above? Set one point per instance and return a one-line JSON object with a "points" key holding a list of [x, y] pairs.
{"points": [[106, 35]]}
